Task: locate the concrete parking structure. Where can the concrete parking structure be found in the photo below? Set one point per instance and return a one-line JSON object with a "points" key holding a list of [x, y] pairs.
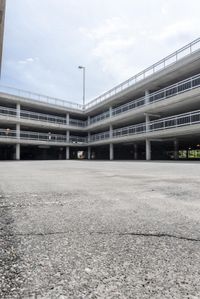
{"points": [[153, 115]]}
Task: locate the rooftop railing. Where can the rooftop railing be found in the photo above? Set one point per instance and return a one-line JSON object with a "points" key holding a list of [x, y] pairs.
{"points": [[158, 66], [40, 98]]}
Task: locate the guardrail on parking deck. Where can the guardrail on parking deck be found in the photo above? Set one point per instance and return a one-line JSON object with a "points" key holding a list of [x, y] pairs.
{"points": [[160, 65], [185, 119], [38, 136], [160, 95], [40, 98], [48, 118]]}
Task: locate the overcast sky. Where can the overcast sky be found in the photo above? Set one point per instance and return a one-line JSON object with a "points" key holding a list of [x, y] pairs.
{"points": [[46, 40]]}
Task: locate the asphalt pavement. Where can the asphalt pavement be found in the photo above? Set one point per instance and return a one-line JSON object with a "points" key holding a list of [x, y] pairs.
{"points": [[87, 229]]}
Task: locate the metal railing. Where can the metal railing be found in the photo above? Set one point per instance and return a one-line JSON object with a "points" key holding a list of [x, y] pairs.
{"points": [[180, 120], [43, 117], [158, 66], [11, 112], [100, 136], [165, 93], [38, 136], [7, 133], [5, 111], [130, 130], [48, 137], [78, 123], [99, 117], [78, 139], [40, 98], [184, 119]]}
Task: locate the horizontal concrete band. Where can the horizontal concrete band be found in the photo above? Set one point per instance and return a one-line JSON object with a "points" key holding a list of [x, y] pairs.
{"points": [[167, 133], [185, 99]]}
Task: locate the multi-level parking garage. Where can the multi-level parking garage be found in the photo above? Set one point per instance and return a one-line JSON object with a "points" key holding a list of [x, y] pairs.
{"points": [[153, 115]]}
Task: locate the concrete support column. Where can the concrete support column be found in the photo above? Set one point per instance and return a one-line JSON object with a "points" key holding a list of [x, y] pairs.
{"points": [[110, 111], [176, 149], [111, 131], [146, 97], [88, 120], [67, 153], [17, 152], [18, 108], [89, 152], [111, 152], [67, 135], [147, 120], [148, 150], [18, 131], [89, 134], [67, 119], [135, 151]]}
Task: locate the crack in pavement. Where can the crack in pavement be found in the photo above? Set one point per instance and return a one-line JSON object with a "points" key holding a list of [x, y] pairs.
{"points": [[157, 235], [150, 235]]}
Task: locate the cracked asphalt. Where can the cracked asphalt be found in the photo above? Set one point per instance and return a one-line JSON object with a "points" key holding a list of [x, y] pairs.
{"points": [[87, 229]]}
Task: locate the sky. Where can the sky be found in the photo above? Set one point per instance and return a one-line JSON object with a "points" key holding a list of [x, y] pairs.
{"points": [[46, 40]]}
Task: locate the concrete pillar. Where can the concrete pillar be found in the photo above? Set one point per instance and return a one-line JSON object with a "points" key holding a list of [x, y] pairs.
{"points": [[67, 153], [110, 111], [146, 97], [147, 120], [111, 131], [88, 120], [17, 152], [89, 152], [111, 152], [148, 150], [18, 108], [67, 135], [18, 131], [89, 134], [67, 119], [176, 149], [135, 151]]}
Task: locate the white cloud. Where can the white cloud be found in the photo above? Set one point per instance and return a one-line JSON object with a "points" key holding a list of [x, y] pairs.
{"points": [[29, 60]]}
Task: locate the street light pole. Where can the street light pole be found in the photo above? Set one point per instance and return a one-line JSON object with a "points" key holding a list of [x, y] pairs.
{"points": [[83, 68]]}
